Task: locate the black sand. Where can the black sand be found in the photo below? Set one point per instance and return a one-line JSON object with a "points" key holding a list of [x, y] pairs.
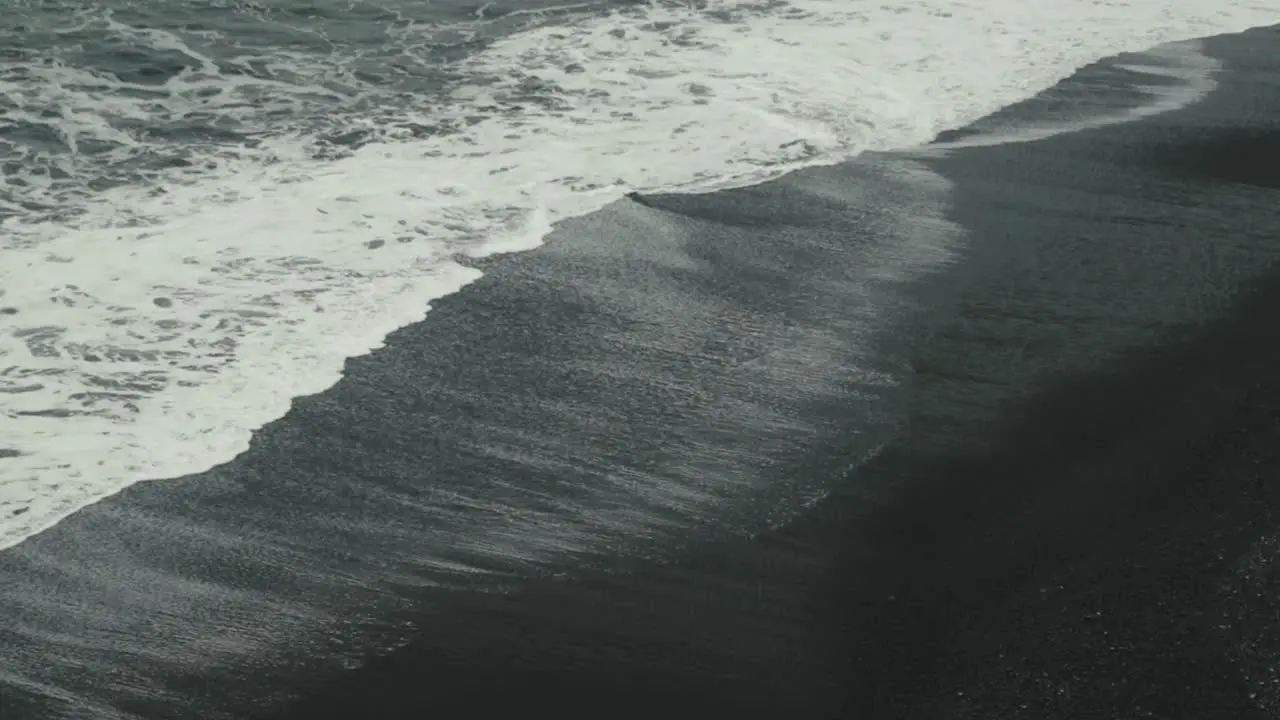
{"points": [[1062, 545], [1084, 455]]}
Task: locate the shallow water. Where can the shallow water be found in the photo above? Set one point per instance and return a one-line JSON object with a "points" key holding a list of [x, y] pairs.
{"points": [[209, 208], [568, 458]]}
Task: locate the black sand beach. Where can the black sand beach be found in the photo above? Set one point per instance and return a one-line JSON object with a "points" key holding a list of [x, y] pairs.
{"points": [[1084, 465], [1104, 591], [1066, 516]]}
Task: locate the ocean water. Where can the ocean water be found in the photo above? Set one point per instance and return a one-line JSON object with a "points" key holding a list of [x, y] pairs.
{"points": [[209, 207], [212, 214]]}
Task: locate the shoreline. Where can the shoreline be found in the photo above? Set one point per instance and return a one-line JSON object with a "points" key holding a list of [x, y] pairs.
{"points": [[1074, 559], [1091, 590], [1116, 446]]}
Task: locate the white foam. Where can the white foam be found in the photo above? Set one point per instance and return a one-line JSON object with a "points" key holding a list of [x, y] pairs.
{"points": [[263, 258]]}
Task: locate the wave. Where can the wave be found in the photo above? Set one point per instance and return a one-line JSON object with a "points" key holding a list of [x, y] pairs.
{"points": [[162, 300], [1162, 79]]}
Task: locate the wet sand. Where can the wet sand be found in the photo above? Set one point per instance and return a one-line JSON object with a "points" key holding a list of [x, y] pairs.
{"points": [[1070, 519]]}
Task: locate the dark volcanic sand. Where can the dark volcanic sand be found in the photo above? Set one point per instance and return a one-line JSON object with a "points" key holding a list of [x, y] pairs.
{"points": [[1087, 450], [1074, 558], [1087, 459]]}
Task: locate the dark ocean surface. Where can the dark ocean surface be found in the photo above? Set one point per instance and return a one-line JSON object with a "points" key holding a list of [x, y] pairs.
{"points": [[962, 432]]}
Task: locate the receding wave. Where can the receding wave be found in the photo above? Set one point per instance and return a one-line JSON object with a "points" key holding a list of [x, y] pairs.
{"points": [[190, 249], [190, 244]]}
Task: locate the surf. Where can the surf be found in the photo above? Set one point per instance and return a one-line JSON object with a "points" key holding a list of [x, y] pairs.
{"points": [[164, 301]]}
